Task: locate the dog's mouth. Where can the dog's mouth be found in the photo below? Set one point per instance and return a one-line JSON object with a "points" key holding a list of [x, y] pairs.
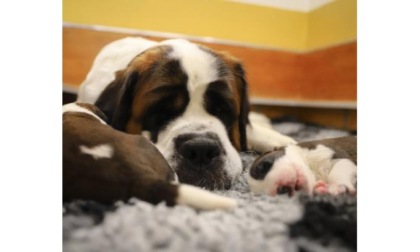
{"points": [[200, 159], [212, 180]]}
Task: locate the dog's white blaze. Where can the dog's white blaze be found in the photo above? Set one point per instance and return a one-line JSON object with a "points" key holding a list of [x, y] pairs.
{"points": [[99, 151], [199, 65], [73, 107], [202, 199]]}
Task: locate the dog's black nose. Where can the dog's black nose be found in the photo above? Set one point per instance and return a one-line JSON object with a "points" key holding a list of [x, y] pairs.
{"points": [[200, 152]]}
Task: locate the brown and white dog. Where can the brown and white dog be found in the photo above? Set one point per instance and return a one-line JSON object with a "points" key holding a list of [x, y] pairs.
{"points": [[190, 101], [104, 164], [322, 166]]}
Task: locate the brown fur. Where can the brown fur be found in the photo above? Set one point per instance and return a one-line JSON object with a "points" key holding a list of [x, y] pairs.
{"points": [[136, 169], [240, 93]]}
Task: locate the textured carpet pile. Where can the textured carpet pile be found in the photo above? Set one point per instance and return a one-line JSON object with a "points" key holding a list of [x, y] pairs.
{"points": [[259, 223]]}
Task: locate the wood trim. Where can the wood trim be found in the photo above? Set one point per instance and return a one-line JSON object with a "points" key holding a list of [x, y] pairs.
{"points": [[345, 119], [324, 75]]}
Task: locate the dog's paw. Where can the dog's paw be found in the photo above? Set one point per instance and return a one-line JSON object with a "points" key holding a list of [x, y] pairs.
{"points": [[263, 139], [283, 140], [287, 141]]}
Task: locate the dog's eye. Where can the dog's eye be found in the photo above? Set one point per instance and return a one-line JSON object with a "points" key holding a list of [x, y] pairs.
{"points": [[219, 110]]}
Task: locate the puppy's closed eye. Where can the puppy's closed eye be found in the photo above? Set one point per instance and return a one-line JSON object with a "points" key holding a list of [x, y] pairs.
{"points": [[260, 170]]}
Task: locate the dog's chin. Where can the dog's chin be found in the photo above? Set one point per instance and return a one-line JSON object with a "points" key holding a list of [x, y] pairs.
{"points": [[214, 177]]}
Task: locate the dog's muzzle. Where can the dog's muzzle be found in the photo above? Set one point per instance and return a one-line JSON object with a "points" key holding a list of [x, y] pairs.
{"points": [[201, 160]]}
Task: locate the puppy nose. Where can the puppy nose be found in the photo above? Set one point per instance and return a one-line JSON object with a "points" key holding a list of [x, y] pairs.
{"points": [[200, 151], [284, 190]]}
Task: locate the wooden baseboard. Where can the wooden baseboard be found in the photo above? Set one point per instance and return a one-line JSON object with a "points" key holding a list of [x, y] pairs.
{"points": [[345, 119]]}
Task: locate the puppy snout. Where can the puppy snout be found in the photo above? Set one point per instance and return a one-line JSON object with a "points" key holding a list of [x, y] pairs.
{"points": [[200, 152]]}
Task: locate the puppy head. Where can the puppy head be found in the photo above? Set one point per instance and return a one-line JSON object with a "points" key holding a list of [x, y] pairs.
{"points": [[280, 171], [191, 102]]}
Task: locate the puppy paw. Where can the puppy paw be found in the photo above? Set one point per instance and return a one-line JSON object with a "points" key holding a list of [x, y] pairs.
{"points": [[337, 189], [320, 187]]}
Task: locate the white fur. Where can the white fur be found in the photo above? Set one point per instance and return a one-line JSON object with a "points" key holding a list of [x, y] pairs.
{"points": [[73, 107], [113, 57], [99, 151], [320, 161], [342, 176], [202, 199], [258, 118], [262, 138]]}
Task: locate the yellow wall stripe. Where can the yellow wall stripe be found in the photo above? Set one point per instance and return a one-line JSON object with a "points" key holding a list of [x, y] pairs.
{"points": [[332, 24], [265, 26], [219, 19]]}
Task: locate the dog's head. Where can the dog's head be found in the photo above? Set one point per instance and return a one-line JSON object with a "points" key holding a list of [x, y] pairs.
{"points": [[192, 102]]}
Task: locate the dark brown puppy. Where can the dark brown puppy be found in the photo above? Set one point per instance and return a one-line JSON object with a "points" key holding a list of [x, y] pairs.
{"points": [[106, 165], [322, 166]]}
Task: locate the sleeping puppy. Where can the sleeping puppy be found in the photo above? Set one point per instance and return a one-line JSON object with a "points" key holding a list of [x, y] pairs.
{"points": [[190, 101], [103, 164], [323, 166]]}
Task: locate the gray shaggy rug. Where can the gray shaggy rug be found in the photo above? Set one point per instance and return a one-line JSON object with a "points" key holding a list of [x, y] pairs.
{"points": [[259, 223]]}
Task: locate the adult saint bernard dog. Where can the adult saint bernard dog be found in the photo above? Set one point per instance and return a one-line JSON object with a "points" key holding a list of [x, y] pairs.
{"points": [[190, 101]]}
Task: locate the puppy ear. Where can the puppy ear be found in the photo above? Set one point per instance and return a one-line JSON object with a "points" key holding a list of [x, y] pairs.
{"points": [[244, 105], [116, 100]]}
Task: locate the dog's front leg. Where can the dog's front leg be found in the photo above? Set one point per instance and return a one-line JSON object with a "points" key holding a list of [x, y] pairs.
{"points": [[261, 138]]}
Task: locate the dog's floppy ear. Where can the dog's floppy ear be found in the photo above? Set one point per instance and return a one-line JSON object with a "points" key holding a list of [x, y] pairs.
{"points": [[244, 105], [94, 109], [116, 100]]}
